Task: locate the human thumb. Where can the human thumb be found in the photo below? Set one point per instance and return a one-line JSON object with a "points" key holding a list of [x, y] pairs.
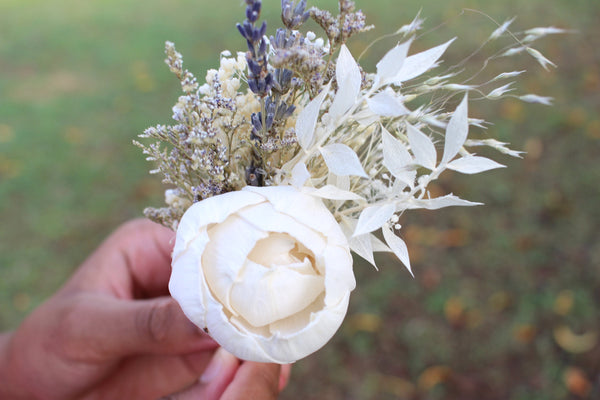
{"points": [[125, 327]]}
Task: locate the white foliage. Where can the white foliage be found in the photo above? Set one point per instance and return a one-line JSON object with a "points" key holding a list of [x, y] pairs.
{"points": [[300, 175], [449, 200], [307, 119], [389, 66], [456, 131], [387, 104], [378, 245], [342, 160], [340, 181], [420, 63], [396, 157], [373, 218], [362, 245], [473, 165], [334, 193], [422, 147], [348, 78], [398, 246]]}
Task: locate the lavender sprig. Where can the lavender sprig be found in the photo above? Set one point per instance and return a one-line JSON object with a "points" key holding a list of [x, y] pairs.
{"points": [[260, 79]]}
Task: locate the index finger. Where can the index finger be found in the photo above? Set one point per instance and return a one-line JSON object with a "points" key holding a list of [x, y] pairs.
{"points": [[254, 380]]}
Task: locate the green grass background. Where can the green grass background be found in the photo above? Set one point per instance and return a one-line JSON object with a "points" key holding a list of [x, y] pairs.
{"points": [[496, 286]]}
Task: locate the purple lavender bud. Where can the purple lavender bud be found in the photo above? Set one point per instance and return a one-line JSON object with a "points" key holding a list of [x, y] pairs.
{"points": [[269, 81], [262, 50], [269, 121], [256, 119], [254, 67], [300, 8], [250, 48], [249, 30], [253, 85], [263, 29], [242, 30]]}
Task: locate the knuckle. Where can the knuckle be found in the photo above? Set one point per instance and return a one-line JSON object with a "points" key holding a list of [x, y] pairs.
{"points": [[155, 321]]}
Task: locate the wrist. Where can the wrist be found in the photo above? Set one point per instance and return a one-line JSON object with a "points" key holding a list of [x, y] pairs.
{"points": [[9, 387]]}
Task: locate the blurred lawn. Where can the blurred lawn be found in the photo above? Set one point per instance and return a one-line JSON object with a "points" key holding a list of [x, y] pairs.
{"points": [[505, 295]]}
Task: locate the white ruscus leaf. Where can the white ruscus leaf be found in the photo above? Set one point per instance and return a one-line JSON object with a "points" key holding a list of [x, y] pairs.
{"points": [[342, 160], [398, 246], [300, 175], [391, 63], [334, 193], [396, 157], [422, 147], [456, 131], [362, 245], [473, 165], [387, 104], [307, 119], [347, 74], [448, 200], [419, 63], [373, 218]]}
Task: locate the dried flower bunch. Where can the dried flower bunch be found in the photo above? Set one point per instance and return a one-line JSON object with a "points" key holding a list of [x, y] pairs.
{"points": [[293, 126]]}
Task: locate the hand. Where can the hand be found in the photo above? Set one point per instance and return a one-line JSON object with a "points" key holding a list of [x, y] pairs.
{"points": [[112, 332]]}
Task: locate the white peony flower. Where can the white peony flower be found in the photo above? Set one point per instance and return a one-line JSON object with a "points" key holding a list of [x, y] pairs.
{"points": [[267, 270]]}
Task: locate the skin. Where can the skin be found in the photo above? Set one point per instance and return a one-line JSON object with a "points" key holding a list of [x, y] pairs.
{"points": [[112, 332]]}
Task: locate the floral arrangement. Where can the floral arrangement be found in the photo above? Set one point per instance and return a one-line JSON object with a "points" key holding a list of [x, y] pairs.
{"points": [[291, 156]]}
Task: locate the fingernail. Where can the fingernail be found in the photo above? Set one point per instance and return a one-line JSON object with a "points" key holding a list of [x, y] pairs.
{"points": [[221, 361]]}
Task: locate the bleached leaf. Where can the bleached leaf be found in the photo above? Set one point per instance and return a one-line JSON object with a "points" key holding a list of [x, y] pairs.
{"points": [[362, 244], [378, 245], [373, 218], [473, 165], [365, 117], [348, 77], [300, 175], [395, 155], [456, 131], [307, 119], [404, 179], [342, 160], [334, 193], [398, 247], [341, 182], [422, 147], [440, 202], [419, 63], [387, 104], [390, 64]]}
